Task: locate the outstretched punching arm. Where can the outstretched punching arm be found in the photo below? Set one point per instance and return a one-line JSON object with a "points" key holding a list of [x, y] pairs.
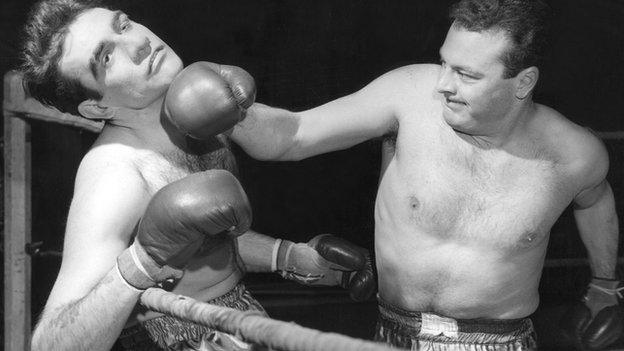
{"points": [[269, 133]]}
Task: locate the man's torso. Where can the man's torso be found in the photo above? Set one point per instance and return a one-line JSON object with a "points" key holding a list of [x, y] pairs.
{"points": [[215, 269], [462, 230]]}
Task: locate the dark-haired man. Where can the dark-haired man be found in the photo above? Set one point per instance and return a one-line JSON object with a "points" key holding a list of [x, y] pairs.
{"points": [[473, 176], [90, 60]]}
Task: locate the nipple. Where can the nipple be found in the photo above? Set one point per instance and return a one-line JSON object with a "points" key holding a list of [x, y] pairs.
{"points": [[530, 238], [414, 203]]}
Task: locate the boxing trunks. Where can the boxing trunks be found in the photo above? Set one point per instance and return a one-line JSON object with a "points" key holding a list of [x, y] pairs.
{"points": [[170, 333], [430, 332]]}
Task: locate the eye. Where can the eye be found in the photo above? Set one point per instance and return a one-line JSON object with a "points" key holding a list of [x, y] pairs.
{"points": [[465, 76], [125, 26], [124, 23]]}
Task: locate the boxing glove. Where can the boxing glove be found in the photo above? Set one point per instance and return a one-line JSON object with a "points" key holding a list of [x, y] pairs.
{"points": [[596, 321], [326, 260], [206, 99], [177, 221]]}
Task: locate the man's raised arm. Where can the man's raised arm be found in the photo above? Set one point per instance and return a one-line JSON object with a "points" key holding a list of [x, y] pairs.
{"points": [[101, 279], [90, 302], [269, 133]]}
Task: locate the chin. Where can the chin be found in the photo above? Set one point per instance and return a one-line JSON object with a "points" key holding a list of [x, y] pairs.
{"points": [[171, 68], [457, 121], [451, 118]]}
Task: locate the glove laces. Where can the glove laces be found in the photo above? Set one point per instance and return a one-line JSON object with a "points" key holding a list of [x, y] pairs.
{"points": [[615, 291]]}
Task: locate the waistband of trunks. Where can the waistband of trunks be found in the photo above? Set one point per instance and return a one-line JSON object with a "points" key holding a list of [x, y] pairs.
{"points": [[165, 329], [413, 319]]}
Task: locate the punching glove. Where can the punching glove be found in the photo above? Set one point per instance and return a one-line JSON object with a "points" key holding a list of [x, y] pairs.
{"points": [[177, 221], [596, 321], [206, 99], [326, 260]]}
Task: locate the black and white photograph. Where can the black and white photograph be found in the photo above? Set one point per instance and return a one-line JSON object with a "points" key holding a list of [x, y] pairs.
{"points": [[299, 175]]}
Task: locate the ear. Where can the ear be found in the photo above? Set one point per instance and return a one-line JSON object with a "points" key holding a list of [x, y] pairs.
{"points": [[526, 81], [91, 109]]}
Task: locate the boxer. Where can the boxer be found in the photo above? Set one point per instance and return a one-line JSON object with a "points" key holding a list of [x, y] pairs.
{"points": [[140, 216], [474, 174]]}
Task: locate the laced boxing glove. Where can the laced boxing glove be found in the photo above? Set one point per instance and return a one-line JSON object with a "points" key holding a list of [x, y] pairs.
{"points": [[597, 321], [206, 98], [326, 260], [177, 221]]}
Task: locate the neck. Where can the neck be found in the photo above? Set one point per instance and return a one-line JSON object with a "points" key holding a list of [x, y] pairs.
{"points": [[146, 128], [505, 130]]}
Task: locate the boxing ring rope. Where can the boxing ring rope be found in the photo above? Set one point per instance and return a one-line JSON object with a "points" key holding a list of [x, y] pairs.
{"points": [[252, 326], [18, 110]]}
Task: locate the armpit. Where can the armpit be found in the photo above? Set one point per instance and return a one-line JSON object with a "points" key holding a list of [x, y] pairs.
{"points": [[589, 196]]}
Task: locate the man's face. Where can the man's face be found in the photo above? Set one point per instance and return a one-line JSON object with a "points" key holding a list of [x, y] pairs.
{"points": [[123, 60], [471, 80]]}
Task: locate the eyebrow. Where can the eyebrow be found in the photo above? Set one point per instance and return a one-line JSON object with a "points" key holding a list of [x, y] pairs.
{"points": [[95, 57], [463, 68], [467, 70]]}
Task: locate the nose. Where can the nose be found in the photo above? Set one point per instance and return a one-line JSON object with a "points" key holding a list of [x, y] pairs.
{"points": [[446, 83], [140, 51]]}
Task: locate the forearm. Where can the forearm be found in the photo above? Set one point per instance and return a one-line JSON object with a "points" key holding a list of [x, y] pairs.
{"points": [[267, 133], [256, 251], [598, 228], [91, 323]]}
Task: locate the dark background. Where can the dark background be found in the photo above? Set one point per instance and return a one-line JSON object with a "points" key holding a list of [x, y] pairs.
{"points": [[304, 53]]}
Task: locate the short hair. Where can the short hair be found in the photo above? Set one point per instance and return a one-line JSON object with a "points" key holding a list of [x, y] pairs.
{"points": [[44, 35], [525, 22]]}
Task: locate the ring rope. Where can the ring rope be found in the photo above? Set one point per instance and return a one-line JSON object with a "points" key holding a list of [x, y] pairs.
{"points": [[572, 262], [250, 326]]}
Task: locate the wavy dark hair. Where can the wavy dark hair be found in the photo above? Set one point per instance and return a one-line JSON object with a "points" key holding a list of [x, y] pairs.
{"points": [[42, 47], [525, 22]]}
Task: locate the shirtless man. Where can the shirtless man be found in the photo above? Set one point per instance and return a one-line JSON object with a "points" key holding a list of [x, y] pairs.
{"points": [[101, 64], [474, 174]]}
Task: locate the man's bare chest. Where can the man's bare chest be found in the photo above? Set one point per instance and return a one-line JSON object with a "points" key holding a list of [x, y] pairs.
{"points": [[160, 169], [457, 193]]}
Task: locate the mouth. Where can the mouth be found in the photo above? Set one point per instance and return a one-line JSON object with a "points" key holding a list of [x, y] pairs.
{"points": [[451, 101], [150, 65], [454, 103]]}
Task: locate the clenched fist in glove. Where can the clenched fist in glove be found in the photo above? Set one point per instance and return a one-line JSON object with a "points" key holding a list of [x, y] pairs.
{"points": [[178, 219], [206, 99], [326, 260], [597, 321]]}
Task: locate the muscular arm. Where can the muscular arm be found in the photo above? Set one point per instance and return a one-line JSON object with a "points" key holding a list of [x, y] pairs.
{"points": [[89, 303], [275, 134], [595, 213], [598, 226]]}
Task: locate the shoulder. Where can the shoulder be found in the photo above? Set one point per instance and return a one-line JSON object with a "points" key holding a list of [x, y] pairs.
{"points": [[109, 188], [414, 76], [577, 147], [109, 163], [404, 86]]}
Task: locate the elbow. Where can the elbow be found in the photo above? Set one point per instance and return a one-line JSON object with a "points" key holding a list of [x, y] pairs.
{"points": [[291, 153]]}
